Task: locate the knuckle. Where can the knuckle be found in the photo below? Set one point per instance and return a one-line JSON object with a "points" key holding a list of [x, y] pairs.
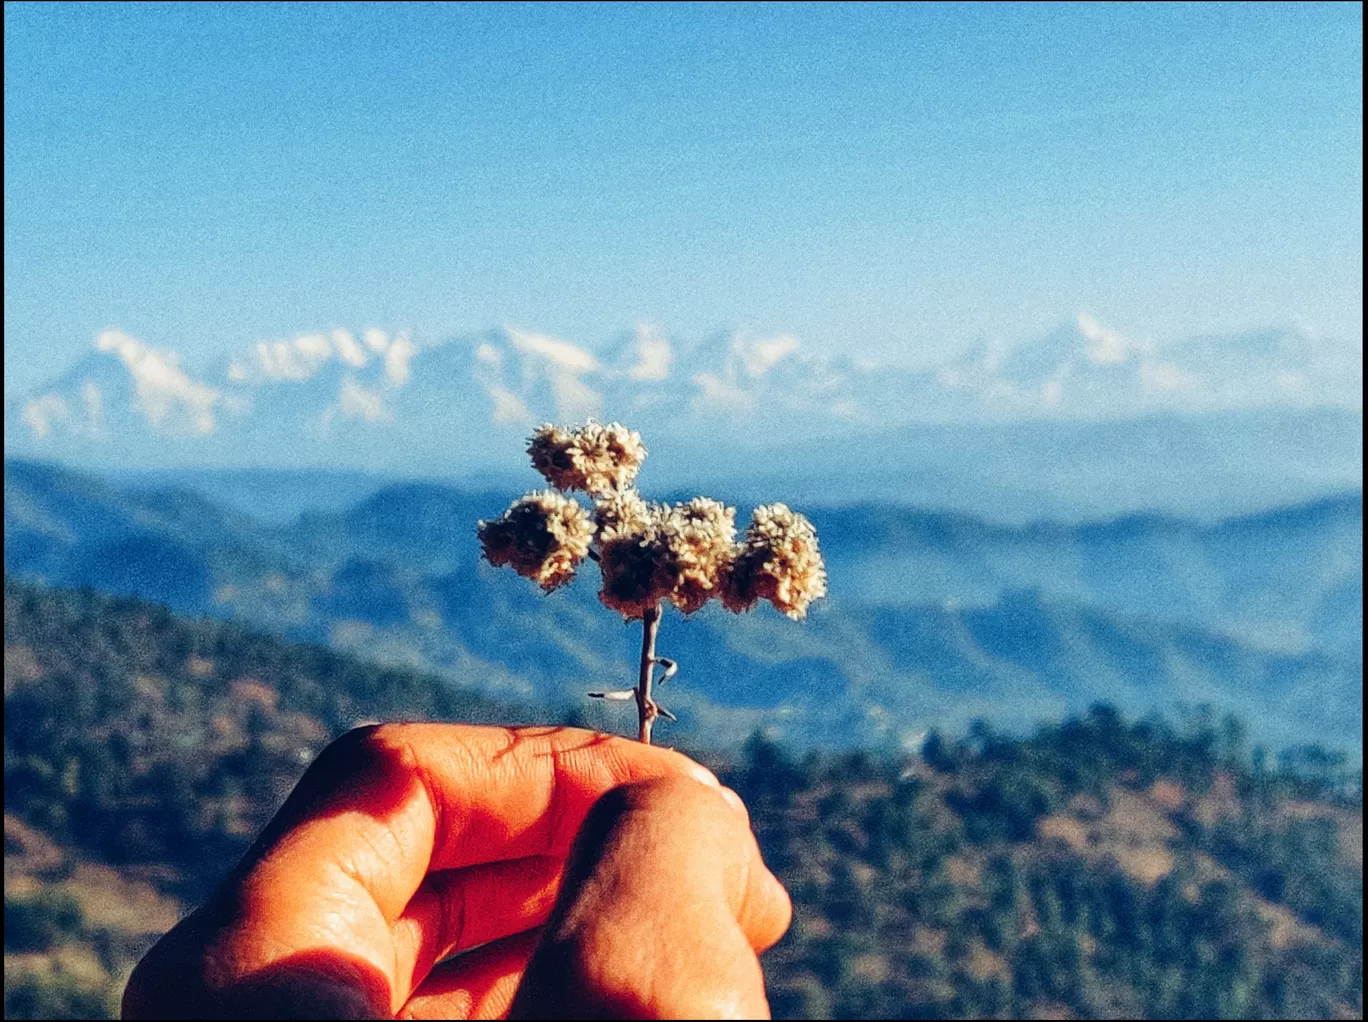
{"points": [[369, 748]]}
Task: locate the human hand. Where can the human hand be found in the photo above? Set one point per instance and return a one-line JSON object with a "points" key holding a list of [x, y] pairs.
{"points": [[664, 905], [405, 844]]}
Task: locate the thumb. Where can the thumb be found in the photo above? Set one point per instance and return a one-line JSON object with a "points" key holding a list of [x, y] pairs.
{"points": [[664, 906]]}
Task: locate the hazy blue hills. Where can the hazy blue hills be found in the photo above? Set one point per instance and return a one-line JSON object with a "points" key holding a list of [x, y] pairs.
{"points": [[276, 495], [934, 618], [1192, 465], [1289, 578]]}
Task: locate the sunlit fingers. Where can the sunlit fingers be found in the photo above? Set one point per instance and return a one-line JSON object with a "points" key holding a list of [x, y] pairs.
{"points": [[479, 984], [462, 908]]}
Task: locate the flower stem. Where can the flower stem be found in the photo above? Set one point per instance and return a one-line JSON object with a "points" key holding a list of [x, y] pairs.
{"points": [[647, 711]]}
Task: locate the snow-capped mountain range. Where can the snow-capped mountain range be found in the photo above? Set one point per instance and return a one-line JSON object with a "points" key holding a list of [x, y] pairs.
{"points": [[384, 402], [315, 383]]}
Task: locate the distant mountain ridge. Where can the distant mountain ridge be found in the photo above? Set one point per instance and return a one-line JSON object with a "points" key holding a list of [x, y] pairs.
{"points": [[739, 404], [934, 618]]}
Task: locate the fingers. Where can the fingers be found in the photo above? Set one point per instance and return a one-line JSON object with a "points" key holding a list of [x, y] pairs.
{"points": [[387, 805], [459, 909], [765, 910], [452, 911], [177, 980], [664, 904], [477, 985], [382, 807]]}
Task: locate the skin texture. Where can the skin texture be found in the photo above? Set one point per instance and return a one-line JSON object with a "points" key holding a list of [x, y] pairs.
{"points": [[621, 878]]}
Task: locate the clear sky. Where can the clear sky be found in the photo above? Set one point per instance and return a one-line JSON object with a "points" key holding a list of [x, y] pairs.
{"points": [[901, 180]]}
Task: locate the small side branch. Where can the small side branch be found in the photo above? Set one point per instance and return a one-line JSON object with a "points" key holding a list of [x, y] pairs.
{"points": [[647, 708]]}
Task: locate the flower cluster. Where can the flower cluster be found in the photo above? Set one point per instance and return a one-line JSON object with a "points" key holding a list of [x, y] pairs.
{"points": [[622, 514], [637, 569], [778, 561], [700, 536], [543, 536], [600, 460], [648, 553]]}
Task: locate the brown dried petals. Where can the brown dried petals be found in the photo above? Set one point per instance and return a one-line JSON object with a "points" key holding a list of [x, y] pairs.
{"points": [[638, 572], [542, 536], [700, 536], [598, 459], [649, 553], [779, 561], [623, 513]]}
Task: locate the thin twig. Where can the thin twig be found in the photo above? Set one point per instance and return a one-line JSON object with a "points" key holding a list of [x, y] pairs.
{"points": [[647, 711]]}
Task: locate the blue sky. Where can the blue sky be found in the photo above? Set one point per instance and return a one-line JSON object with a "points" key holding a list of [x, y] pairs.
{"points": [[899, 180]]}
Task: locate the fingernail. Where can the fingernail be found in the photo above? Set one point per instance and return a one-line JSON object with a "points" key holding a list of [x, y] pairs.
{"points": [[703, 775]]}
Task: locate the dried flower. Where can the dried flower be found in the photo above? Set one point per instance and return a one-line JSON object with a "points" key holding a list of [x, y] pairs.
{"points": [[700, 536], [648, 553], [622, 513], [595, 458], [638, 572], [778, 561], [543, 536]]}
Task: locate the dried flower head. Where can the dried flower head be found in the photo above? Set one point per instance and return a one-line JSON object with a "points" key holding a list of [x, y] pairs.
{"points": [[598, 459], [700, 536], [638, 571], [778, 561], [648, 553], [543, 536], [622, 513]]}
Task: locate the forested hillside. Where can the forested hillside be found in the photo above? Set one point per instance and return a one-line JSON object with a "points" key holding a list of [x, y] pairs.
{"points": [[1099, 869], [142, 752], [931, 618], [1102, 867]]}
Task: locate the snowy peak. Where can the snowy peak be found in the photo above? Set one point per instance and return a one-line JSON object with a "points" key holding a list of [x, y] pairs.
{"points": [[122, 381], [327, 395], [1087, 370], [302, 357]]}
